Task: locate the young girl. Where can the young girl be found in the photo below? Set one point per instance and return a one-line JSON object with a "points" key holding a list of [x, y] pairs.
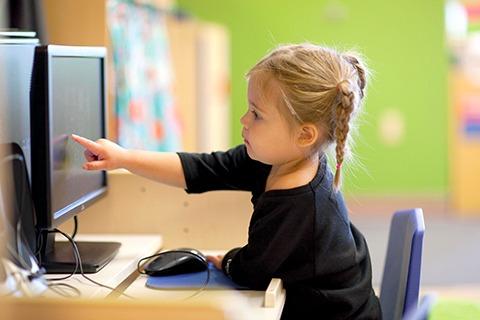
{"points": [[301, 99]]}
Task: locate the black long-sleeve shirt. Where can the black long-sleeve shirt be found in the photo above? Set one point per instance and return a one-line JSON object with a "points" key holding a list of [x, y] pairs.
{"points": [[302, 235]]}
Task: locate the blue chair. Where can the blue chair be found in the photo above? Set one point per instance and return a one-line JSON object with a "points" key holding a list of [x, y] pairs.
{"points": [[401, 274], [422, 312]]}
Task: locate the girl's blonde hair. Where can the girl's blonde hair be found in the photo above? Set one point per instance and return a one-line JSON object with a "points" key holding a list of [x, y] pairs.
{"points": [[321, 86]]}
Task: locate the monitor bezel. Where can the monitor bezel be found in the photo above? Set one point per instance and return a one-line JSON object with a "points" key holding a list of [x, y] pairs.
{"points": [[41, 129]]}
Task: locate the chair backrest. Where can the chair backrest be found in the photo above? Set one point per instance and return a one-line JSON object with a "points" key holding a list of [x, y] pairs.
{"points": [[401, 274], [422, 312]]}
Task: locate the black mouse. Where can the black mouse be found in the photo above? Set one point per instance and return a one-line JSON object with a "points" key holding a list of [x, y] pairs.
{"points": [[178, 261]]}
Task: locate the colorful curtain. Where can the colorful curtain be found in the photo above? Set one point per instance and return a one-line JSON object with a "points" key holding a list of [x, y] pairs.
{"points": [[144, 105]]}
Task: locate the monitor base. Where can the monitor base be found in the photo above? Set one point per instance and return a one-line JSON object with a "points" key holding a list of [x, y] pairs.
{"points": [[94, 256]]}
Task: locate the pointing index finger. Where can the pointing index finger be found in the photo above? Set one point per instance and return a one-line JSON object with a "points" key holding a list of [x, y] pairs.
{"points": [[87, 143]]}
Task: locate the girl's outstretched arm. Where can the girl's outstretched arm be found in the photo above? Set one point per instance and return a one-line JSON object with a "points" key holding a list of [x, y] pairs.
{"points": [[103, 154]]}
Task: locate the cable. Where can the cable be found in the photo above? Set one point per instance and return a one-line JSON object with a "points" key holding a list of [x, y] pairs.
{"points": [[59, 291], [21, 251], [18, 241], [32, 274], [145, 258], [79, 263], [204, 286], [78, 266], [39, 245], [207, 280], [75, 227]]}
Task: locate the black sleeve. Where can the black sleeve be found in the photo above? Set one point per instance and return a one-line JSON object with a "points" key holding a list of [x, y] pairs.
{"points": [[229, 170], [274, 241]]}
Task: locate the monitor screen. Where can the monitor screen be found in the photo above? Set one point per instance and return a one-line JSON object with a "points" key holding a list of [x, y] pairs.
{"points": [[68, 95], [76, 107]]}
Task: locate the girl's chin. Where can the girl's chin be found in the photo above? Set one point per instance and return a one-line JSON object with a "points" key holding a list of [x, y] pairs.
{"points": [[249, 151], [253, 156]]}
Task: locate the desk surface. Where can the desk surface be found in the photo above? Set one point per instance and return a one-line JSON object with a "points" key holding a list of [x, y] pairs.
{"points": [[133, 248], [121, 274], [253, 300]]}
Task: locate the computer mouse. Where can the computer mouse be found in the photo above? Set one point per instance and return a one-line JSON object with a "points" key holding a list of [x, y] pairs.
{"points": [[178, 261]]}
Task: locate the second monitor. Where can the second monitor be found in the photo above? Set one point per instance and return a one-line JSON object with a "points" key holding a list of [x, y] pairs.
{"points": [[68, 95]]}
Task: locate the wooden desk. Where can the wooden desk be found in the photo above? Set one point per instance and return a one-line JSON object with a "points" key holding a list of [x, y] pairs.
{"points": [[121, 274], [252, 301]]}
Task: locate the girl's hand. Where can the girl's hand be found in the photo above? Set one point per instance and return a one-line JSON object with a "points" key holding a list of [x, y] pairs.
{"points": [[216, 260], [102, 154]]}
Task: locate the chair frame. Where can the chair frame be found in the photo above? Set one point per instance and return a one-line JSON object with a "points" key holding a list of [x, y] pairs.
{"points": [[402, 270]]}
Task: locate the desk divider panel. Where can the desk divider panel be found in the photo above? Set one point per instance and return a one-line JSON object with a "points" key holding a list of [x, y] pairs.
{"points": [[215, 220]]}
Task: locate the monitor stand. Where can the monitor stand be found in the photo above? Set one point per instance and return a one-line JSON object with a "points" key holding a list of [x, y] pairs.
{"points": [[58, 256]]}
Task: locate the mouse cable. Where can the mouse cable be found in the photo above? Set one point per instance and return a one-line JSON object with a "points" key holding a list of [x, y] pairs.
{"points": [[139, 263], [79, 261], [204, 286]]}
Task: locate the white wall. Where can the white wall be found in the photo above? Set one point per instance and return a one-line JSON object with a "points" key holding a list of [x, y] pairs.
{"points": [[3, 14]]}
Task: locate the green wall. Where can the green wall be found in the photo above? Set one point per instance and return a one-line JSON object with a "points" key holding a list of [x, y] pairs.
{"points": [[403, 42]]}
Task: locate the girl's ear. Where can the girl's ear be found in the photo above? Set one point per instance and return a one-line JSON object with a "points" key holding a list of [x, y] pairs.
{"points": [[308, 135]]}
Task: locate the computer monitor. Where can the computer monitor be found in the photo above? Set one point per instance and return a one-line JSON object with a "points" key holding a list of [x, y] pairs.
{"points": [[15, 76], [68, 95], [17, 213]]}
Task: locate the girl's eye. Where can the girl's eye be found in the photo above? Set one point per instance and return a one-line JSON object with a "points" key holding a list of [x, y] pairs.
{"points": [[255, 114]]}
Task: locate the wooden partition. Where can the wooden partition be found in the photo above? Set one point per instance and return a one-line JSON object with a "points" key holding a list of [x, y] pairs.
{"points": [[212, 220]]}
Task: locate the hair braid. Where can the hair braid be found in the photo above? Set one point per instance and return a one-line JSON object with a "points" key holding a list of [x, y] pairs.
{"points": [[342, 113], [362, 76]]}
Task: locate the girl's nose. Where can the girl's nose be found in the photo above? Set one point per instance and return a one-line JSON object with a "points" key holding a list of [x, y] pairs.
{"points": [[243, 119]]}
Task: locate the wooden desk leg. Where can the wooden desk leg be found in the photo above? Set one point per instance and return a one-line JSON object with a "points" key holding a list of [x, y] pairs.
{"points": [[272, 293]]}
